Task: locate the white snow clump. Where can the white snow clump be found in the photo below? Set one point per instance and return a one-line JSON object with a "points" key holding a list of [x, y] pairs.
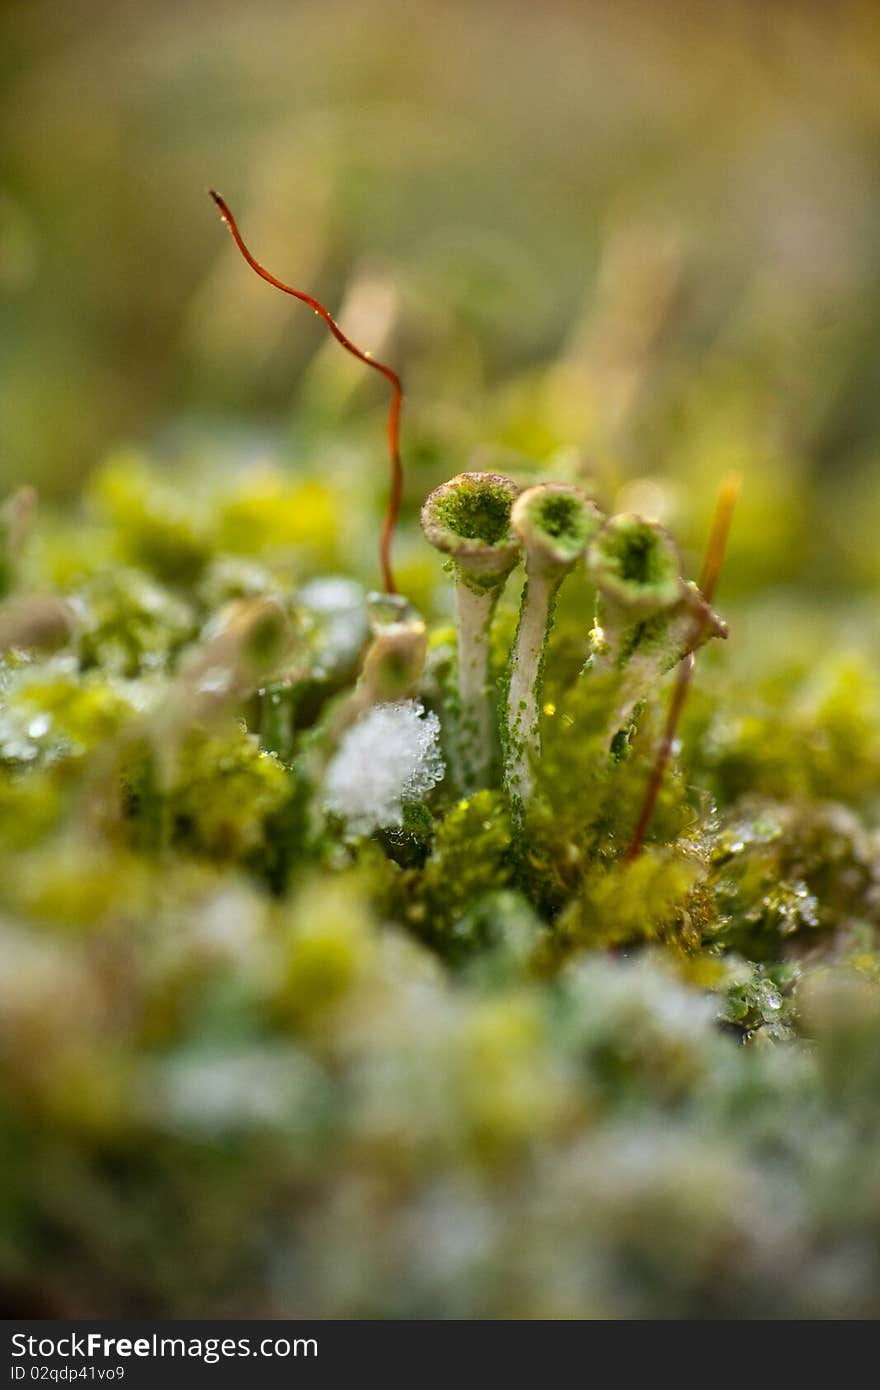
{"points": [[390, 756]]}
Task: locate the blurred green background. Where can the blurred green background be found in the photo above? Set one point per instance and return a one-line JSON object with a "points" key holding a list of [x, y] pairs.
{"points": [[630, 244], [635, 243]]}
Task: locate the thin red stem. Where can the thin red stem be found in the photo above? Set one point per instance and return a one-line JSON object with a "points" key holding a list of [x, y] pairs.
{"points": [[394, 412], [722, 517]]}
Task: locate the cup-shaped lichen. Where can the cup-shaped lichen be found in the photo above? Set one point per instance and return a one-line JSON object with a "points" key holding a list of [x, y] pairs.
{"points": [[468, 519], [635, 566], [243, 648], [647, 617], [555, 522], [395, 659], [391, 674]]}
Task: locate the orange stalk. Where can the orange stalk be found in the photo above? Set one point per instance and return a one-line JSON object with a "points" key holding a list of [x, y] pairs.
{"points": [[394, 412]]}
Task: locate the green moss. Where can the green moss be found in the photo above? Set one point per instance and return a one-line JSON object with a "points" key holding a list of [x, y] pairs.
{"points": [[49, 712], [129, 624], [471, 857], [560, 516], [329, 952], [781, 873], [509, 1093], [792, 732], [643, 900], [31, 805], [460, 1069], [152, 528], [267, 514], [757, 1000], [76, 883], [225, 792], [211, 1001], [588, 793]]}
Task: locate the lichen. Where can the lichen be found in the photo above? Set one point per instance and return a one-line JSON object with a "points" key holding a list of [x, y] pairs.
{"points": [[477, 511]]}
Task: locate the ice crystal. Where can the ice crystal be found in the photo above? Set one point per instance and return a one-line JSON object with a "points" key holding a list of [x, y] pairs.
{"points": [[389, 757]]}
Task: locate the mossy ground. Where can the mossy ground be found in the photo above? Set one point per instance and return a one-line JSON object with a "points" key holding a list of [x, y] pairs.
{"points": [[456, 1068]]}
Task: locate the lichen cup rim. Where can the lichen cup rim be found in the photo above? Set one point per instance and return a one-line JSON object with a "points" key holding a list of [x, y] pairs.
{"points": [[659, 592], [477, 555], [555, 551]]}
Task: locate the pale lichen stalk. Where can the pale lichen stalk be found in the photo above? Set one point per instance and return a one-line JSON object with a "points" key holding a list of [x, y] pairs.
{"points": [[474, 611], [554, 522], [468, 519]]}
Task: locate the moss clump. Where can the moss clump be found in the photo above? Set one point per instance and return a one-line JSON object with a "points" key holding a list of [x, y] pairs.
{"points": [[642, 900], [305, 1050], [790, 731], [758, 1000], [328, 953], [588, 793], [784, 873], [470, 858], [51, 712], [130, 624], [225, 791], [31, 805], [266, 513], [152, 527]]}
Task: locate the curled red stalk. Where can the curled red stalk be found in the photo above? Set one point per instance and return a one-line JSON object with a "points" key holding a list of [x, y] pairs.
{"points": [[396, 490], [713, 559]]}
